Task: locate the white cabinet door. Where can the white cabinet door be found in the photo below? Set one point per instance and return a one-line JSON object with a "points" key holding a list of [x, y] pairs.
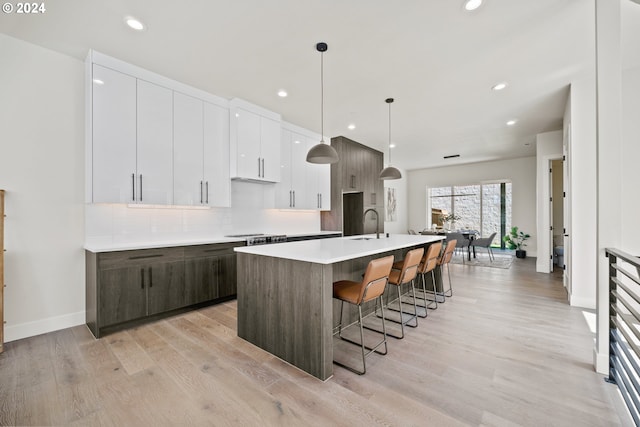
{"points": [[284, 195], [299, 183], [188, 187], [247, 144], [217, 184], [324, 186], [270, 149], [114, 136], [154, 144]]}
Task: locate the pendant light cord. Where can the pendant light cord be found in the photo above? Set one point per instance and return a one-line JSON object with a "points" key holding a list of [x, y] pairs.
{"points": [[322, 97], [389, 134]]}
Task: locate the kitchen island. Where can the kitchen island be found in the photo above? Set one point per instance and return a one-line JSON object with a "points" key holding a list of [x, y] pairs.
{"points": [[285, 292]]}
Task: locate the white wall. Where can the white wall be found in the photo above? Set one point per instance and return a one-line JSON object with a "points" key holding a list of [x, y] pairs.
{"points": [[630, 160], [399, 226], [521, 172], [42, 170], [581, 119], [548, 147]]}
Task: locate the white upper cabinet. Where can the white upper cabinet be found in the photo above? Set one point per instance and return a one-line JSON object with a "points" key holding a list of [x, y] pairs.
{"points": [[284, 196], [113, 112], [154, 144], [153, 140], [318, 181], [254, 143], [216, 156], [201, 153], [188, 161], [303, 185]]}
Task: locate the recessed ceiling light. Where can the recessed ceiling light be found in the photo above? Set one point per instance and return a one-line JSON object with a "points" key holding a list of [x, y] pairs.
{"points": [[472, 4], [296, 142], [282, 93], [512, 122], [98, 81], [392, 145], [134, 23], [499, 86], [351, 126]]}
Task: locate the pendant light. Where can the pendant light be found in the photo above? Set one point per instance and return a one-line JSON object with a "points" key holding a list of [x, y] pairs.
{"points": [[322, 153], [390, 172]]}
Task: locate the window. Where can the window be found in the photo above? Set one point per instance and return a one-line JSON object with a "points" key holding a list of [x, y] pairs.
{"points": [[482, 207]]}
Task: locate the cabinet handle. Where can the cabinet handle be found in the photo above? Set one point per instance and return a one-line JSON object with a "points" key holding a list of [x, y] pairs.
{"points": [[142, 278], [140, 187], [320, 201], [294, 198], [207, 192], [353, 181], [150, 277], [258, 167], [133, 187], [290, 198], [200, 192], [263, 172]]}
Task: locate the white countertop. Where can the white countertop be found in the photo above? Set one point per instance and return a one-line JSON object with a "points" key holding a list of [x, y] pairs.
{"points": [[332, 250], [97, 247]]}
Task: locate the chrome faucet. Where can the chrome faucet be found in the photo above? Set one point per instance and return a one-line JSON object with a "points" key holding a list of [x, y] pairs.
{"points": [[364, 216]]}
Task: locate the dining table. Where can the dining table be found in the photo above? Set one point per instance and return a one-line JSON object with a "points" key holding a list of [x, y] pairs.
{"points": [[469, 235]]}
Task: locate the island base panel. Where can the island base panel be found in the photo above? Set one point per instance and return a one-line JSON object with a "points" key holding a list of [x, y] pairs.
{"points": [[285, 308]]}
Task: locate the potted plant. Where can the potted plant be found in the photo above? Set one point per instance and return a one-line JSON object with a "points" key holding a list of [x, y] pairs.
{"points": [[515, 240]]}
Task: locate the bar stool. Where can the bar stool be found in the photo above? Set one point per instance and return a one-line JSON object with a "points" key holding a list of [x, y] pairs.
{"points": [[445, 259], [404, 272], [428, 264], [372, 287]]}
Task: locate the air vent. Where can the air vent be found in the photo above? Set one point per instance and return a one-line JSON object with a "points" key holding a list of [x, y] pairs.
{"points": [[453, 156]]}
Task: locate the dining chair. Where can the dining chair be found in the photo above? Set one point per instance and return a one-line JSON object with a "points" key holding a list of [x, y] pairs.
{"points": [[462, 243], [485, 242]]}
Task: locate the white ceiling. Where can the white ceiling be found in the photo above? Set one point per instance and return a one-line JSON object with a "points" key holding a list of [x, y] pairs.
{"points": [[437, 60]]}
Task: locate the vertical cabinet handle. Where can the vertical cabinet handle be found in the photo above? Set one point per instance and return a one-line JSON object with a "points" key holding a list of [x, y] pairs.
{"points": [[140, 187], [200, 192], [150, 278], [207, 192], [258, 167], [133, 187], [263, 173], [353, 181], [294, 198], [320, 201], [290, 199], [142, 278]]}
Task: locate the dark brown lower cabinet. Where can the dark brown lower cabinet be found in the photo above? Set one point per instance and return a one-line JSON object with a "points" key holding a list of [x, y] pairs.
{"points": [[210, 271], [128, 286]]}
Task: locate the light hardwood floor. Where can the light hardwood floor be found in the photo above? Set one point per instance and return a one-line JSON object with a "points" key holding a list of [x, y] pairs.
{"points": [[506, 350]]}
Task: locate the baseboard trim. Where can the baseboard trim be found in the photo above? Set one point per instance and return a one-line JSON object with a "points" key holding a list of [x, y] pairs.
{"points": [[601, 362], [37, 327], [582, 302]]}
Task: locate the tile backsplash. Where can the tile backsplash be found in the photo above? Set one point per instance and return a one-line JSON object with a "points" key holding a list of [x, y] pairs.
{"points": [[252, 212]]}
